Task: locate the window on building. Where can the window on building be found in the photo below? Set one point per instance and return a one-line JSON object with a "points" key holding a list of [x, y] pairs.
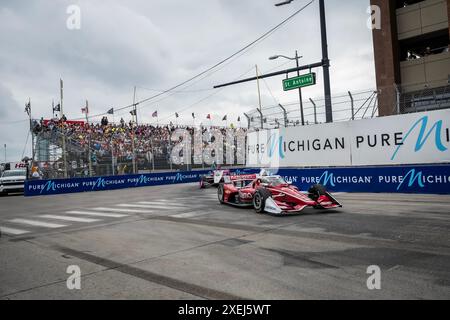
{"points": [[425, 45], [405, 3]]}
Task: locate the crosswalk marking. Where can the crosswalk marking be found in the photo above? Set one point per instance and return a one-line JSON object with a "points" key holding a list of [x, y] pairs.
{"points": [[122, 210], [158, 203], [66, 218], [147, 206], [12, 231], [38, 223], [98, 214], [189, 215]]}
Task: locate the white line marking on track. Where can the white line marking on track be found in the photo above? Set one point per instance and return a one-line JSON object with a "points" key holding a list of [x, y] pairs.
{"points": [[160, 207], [157, 203], [38, 223], [13, 232], [66, 218], [98, 214], [189, 215], [121, 210]]}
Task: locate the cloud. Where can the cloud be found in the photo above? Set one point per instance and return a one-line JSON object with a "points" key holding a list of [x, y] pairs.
{"points": [[158, 44]]}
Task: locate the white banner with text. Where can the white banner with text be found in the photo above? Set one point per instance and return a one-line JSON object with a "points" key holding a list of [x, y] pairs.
{"points": [[418, 138]]}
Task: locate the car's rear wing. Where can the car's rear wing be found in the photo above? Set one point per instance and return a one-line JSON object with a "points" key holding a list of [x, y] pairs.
{"points": [[235, 178]]}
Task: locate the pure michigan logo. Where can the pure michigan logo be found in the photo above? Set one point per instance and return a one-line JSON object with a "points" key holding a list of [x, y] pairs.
{"points": [[413, 178], [275, 144], [423, 136]]}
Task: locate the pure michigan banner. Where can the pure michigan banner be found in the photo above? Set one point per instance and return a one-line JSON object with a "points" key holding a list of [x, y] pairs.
{"points": [[433, 179], [419, 138]]}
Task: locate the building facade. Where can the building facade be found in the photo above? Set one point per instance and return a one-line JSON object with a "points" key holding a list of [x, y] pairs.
{"points": [[412, 58]]}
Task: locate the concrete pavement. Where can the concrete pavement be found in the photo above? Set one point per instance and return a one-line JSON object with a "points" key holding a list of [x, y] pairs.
{"points": [[178, 242]]}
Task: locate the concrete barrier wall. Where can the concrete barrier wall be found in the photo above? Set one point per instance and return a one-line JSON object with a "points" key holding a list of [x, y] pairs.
{"points": [[430, 179]]}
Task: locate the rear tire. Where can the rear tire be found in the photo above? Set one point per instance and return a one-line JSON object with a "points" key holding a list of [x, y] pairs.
{"points": [[259, 200], [221, 194]]}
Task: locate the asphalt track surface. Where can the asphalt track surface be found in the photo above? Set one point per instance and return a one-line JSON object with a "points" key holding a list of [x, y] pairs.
{"points": [[178, 242]]}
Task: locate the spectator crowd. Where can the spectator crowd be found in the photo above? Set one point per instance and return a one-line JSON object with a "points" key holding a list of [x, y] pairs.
{"points": [[107, 140]]}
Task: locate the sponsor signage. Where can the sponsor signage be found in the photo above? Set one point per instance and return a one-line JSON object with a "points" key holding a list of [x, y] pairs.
{"points": [[302, 81], [419, 138], [60, 186], [433, 179], [396, 179]]}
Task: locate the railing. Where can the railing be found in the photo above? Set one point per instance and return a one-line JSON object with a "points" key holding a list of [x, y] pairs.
{"points": [[348, 106], [90, 160]]}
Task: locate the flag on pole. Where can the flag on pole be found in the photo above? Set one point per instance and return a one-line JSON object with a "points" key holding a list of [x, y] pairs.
{"points": [[208, 117], [57, 108], [155, 114], [193, 115], [177, 115], [225, 118], [28, 108], [61, 86], [239, 119], [111, 111], [133, 112], [85, 110]]}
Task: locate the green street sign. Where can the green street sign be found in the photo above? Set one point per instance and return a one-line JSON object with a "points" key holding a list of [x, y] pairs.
{"points": [[299, 82]]}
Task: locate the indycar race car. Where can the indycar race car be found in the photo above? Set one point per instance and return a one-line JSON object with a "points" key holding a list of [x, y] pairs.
{"points": [[214, 178], [272, 194]]}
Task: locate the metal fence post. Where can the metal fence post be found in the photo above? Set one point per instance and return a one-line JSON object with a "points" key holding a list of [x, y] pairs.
{"points": [[284, 115], [352, 101], [248, 119], [315, 110], [262, 118], [398, 97]]}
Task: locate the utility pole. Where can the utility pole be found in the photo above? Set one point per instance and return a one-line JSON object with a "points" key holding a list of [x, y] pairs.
{"points": [[89, 142], [63, 134], [300, 89], [132, 133], [31, 129], [326, 63], [5, 153], [135, 106], [259, 98]]}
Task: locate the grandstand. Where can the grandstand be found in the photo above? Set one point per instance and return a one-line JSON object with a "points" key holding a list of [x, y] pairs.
{"points": [[105, 149]]}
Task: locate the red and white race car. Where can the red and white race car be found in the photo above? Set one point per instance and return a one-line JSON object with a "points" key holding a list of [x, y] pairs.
{"points": [[272, 194]]}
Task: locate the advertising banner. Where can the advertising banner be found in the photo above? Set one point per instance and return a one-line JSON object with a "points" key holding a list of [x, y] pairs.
{"points": [[418, 138], [433, 179], [396, 179], [60, 186]]}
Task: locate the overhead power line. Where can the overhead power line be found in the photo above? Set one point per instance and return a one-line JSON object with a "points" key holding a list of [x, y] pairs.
{"points": [[262, 37]]}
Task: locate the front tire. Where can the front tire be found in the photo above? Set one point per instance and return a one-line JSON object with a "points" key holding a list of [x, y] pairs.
{"points": [[259, 200], [203, 183], [221, 194], [316, 191]]}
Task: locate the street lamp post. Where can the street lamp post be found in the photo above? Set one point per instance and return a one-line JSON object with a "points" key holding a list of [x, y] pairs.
{"points": [[297, 58], [325, 58]]}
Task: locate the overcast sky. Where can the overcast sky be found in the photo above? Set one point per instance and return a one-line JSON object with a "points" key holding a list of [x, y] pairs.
{"points": [[157, 44]]}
